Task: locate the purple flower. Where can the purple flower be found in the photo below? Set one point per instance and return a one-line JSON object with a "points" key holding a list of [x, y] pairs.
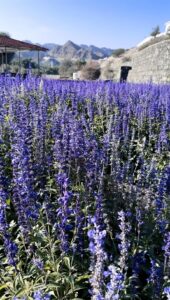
{"points": [[63, 211], [38, 263], [166, 249], [91, 233], [124, 243], [38, 295], [79, 224], [98, 257], [10, 247], [115, 285], [47, 297], [166, 292], [155, 278], [24, 195]]}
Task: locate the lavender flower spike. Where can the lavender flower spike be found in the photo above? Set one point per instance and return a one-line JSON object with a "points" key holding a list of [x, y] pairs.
{"points": [[166, 292], [98, 256], [115, 285], [124, 243]]}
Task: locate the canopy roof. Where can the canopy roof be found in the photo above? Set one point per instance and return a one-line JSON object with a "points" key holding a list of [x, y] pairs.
{"points": [[11, 45]]}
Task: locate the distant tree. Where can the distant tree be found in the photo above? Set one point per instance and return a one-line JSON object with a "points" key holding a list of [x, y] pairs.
{"points": [[66, 68], [118, 52], [91, 71], [78, 65], [5, 33], [28, 63], [52, 71], [155, 31]]}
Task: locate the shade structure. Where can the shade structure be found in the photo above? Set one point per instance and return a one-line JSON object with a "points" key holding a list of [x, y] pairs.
{"points": [[8, 44], [12, 44]]}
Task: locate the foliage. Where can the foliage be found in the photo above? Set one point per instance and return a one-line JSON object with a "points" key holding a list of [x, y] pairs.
{"points": [[27, 63], [91, 71], [52, 70], [118, 52], [5, 33], [84, 190], [155, 31], [66, 68], [79, 64]]}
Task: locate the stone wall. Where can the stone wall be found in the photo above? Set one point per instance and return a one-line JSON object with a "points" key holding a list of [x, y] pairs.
{"points": [[151, 64]]}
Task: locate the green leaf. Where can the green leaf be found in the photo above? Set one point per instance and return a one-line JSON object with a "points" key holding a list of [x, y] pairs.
{"points": [[8, 201], [70, 292], [7, 118], [21, 292], [67, 262], [78, 299], [53, 285], [80, 278], [4, 286]]}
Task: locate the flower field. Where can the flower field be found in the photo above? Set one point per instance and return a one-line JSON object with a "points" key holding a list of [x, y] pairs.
{"points": [[84, 190]]}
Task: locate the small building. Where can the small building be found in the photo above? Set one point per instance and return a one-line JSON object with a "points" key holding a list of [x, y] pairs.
{"points": [[77, 75], [149, 61], [9, 45]]}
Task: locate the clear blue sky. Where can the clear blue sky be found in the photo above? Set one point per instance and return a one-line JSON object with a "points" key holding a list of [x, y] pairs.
{"points": [[110, 23]]}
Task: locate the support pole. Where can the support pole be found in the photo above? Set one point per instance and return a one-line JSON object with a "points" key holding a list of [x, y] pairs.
{"points": [[5, 60], [19, 62], [2, 68], [38, 63]]}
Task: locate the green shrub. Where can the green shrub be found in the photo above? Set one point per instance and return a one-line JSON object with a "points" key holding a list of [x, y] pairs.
{"points": [[118, 52], [155, 31]]}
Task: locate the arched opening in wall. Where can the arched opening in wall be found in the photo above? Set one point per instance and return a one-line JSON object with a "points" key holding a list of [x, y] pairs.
{"points": [[124, 73]]}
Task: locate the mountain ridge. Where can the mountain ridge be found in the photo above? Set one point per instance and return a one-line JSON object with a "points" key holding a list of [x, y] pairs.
{"points": [[71, 51]]}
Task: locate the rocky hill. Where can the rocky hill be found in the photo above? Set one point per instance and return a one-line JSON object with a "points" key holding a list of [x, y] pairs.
{"points": [[70, 51], [73, 51]]}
